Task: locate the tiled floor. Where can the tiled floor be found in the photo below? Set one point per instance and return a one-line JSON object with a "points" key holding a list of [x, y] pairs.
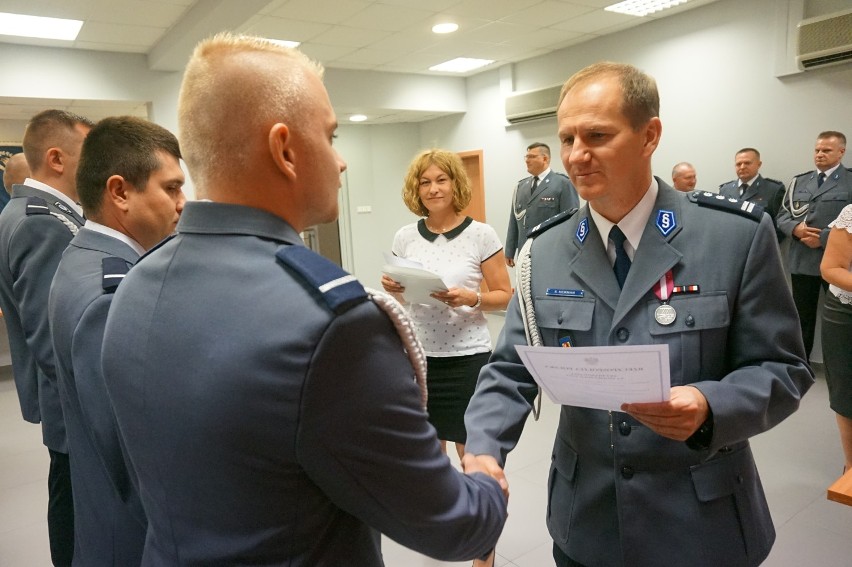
{"points": [[797, 461]]}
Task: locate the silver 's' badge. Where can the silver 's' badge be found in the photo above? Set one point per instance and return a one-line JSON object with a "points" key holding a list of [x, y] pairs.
{"points": [[665, 314]]}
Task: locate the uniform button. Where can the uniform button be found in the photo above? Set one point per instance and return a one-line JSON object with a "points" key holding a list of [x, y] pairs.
{"points": [[690, 321], [559, 319], [627, 472], [624, 428], [622, 334]]}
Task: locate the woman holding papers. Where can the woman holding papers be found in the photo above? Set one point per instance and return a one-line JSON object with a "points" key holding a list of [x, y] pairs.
{"points": [[462, 252]]}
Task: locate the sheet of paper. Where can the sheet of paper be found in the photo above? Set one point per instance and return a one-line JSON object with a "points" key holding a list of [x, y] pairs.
{"points": [[393, 260], [418, 283], [600, 377]]}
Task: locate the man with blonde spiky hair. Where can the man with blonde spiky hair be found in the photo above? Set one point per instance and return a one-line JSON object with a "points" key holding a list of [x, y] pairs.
{"points": [[268, 404]]}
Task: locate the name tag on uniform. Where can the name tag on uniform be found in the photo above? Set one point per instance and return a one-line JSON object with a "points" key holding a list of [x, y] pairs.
{"points": [[554, 292]]}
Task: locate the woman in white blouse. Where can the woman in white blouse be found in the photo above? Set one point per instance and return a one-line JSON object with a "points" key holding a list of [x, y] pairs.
{"points": [[463, 252], [836, 269]]}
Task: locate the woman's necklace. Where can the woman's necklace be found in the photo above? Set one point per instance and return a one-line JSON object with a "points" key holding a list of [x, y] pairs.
{"points": [[453, 224]]}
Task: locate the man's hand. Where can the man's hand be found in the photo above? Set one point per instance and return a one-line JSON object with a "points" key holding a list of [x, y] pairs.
{"points": [[677, 418], [510, 262], [488, 465], [807, 235]]}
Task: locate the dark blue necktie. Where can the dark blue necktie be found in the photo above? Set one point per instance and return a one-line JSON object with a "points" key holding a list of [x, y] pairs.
{"points": [[622, 260], [820, 179]]}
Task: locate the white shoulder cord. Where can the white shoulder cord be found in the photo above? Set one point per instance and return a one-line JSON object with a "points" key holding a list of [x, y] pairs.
{"points": [[527, 309], [71, 226], [788, 201], [405, 329]]}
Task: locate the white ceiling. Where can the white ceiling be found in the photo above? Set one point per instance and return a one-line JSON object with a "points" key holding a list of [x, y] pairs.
{"points": [[379, 35]]}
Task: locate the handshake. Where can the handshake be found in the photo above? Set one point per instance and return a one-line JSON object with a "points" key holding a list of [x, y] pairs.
{"points": [[486, 464]]}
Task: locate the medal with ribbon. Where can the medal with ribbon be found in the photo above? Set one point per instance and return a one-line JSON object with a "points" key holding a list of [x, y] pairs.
{"points": [[665, 314]]}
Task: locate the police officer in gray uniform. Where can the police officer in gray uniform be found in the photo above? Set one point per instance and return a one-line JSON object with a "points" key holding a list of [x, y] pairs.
{"points": [[268, 405], [129, 182], [663, 483], [751, 186], [35, 227], [815, 199], [538, 197]]}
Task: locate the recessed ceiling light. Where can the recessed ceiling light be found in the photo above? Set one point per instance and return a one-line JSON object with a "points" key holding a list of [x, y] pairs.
{"points": [[37, 26], [447, 27], [284, 42], [643, 7], [461, 65], [357, 117]]}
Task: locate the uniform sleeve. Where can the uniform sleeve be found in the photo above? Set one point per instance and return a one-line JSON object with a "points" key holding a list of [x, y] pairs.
{"points": [[96, 411], [568, 196], [35, 251], [785, 221], [769, 374], [504, 394], [364, 440]]}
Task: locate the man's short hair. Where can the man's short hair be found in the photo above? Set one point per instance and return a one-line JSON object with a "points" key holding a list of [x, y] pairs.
{"points": [[744, 150], [231, 95], [449, 163], [640, 98], [125, 146], [679, 166], [833, 134], [545, 149], [50, 129]]}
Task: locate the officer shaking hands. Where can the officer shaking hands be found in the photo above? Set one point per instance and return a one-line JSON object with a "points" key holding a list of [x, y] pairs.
{"points": [[267, 401], [672, 482]]}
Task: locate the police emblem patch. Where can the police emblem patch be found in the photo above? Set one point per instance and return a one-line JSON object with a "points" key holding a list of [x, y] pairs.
{"points": [[666, 222]]}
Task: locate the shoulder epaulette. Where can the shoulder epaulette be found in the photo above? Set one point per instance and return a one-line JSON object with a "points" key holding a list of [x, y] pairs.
{"points": [[725, 183], [339, 289], [114, 270], [805, 173], [37, 206], [715, 201], [774, 181], [562, 174], [551, 222]]}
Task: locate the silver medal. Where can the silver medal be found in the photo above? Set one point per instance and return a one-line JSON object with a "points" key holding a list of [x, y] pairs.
{"points": [[665, 314]]}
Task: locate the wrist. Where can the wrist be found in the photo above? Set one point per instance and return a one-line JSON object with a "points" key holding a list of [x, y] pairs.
{"points": [[478, 300]]}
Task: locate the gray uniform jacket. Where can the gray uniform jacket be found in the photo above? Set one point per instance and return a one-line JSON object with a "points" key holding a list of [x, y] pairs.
{"points": [[766, 192], [824, 205], [553, 194], [268, 423], [32, 239], [109, 523], [620, 494]]}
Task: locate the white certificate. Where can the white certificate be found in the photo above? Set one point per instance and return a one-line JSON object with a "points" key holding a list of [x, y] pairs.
{"points": [[419, 283], [600, 377]]}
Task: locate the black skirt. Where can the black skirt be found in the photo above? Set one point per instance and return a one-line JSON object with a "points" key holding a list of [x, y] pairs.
{"points": [[451, 381], [837, 353]]}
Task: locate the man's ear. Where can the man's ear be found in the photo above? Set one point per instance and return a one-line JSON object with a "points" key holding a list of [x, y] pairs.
{"points": [[281, 149], [55, 160], [116, 192], [653, 131]]}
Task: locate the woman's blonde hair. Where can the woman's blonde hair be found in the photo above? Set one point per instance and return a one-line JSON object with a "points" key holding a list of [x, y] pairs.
{"points": [[449, 163]]}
